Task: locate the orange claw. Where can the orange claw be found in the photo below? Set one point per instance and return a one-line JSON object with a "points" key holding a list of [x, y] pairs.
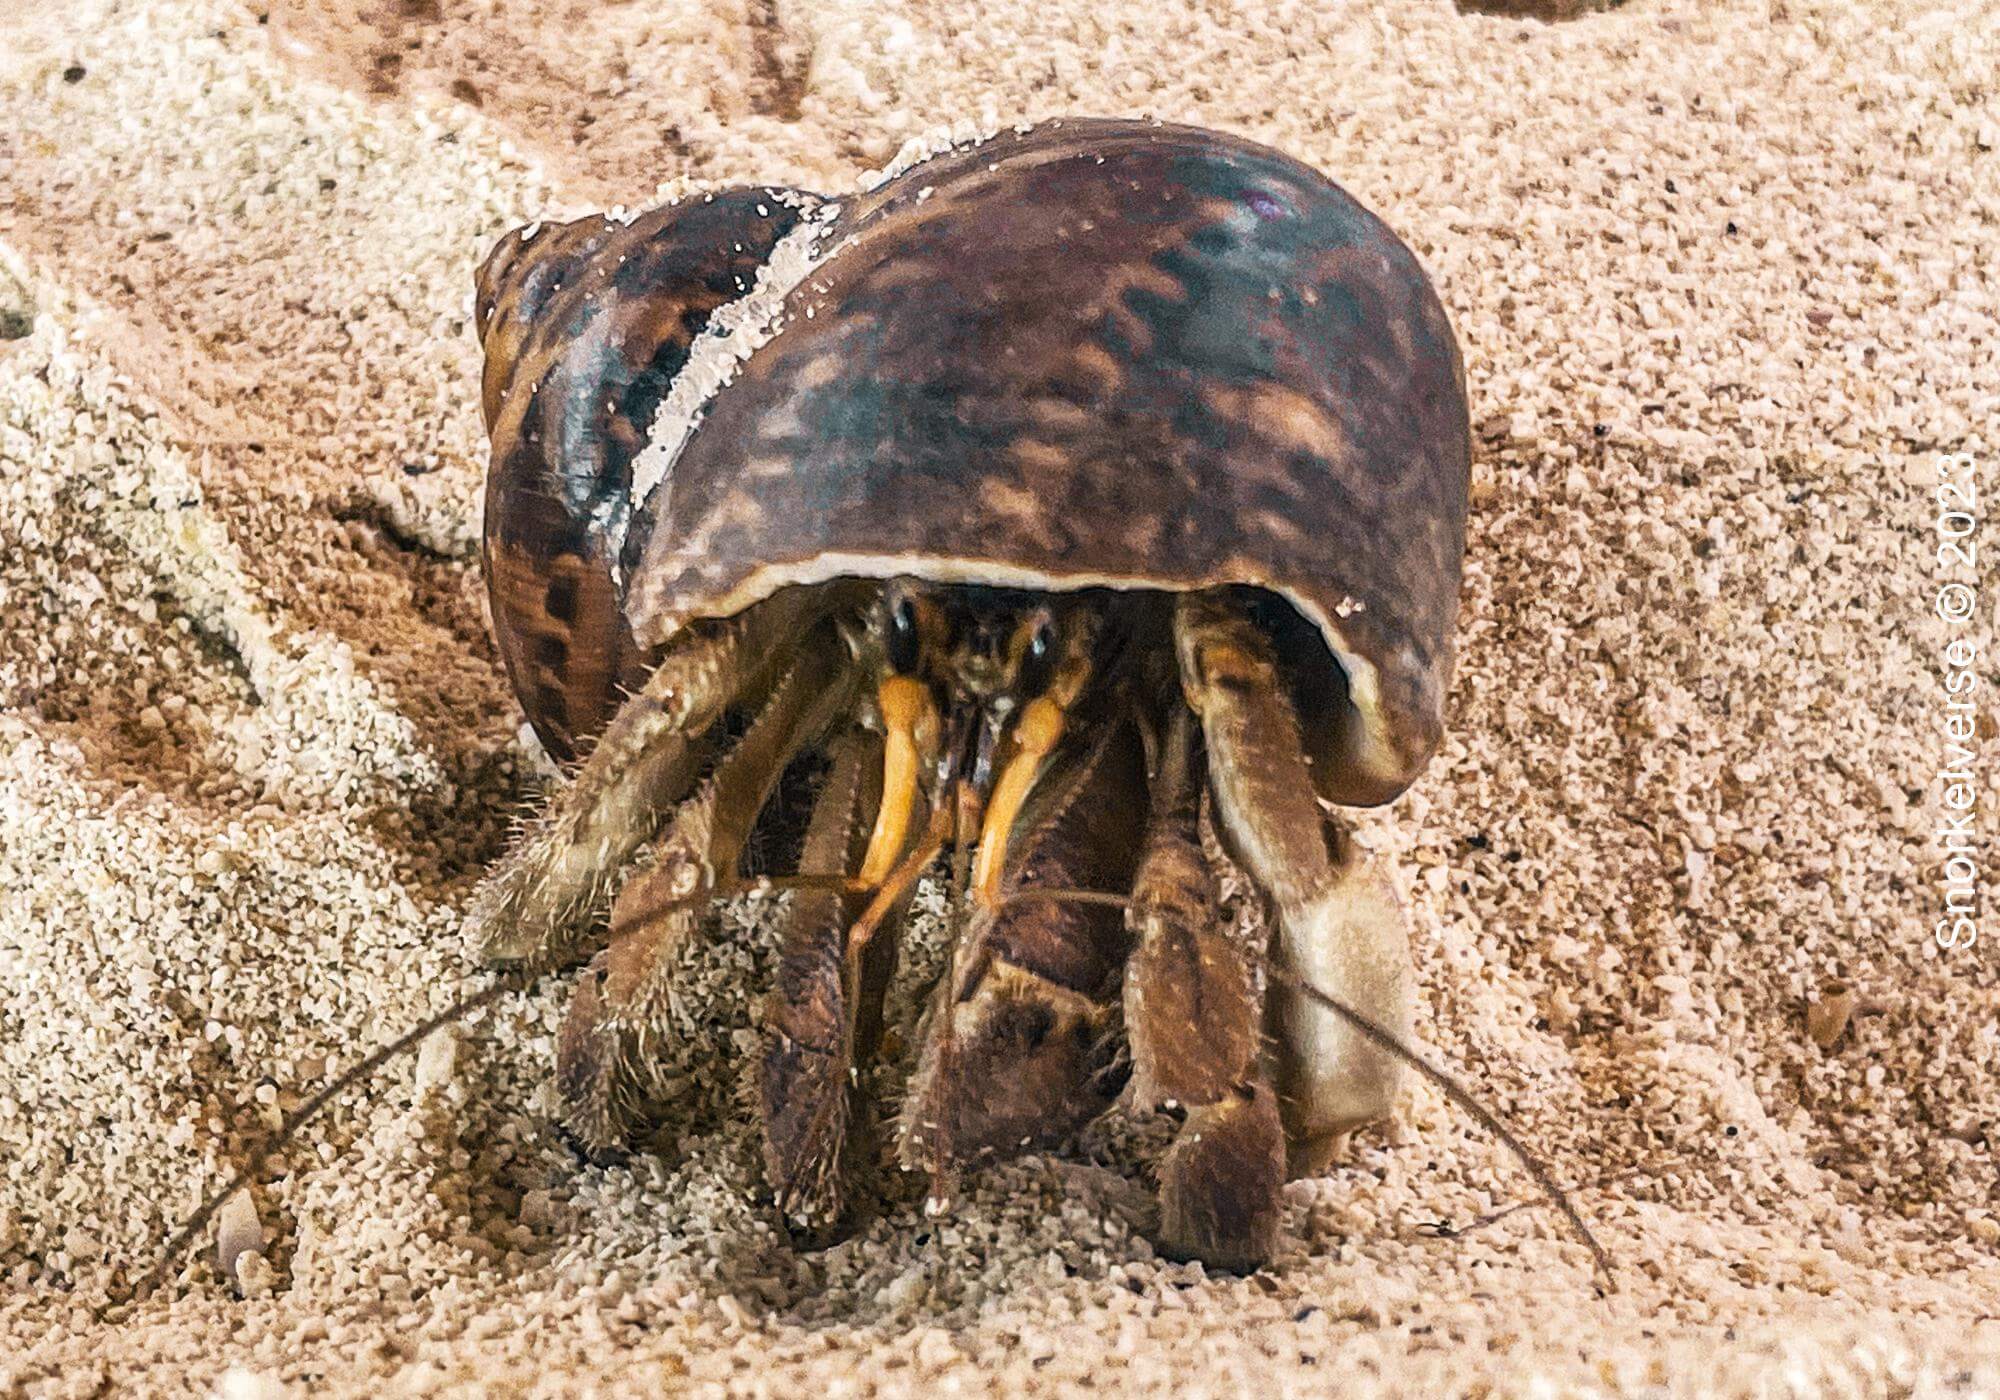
{"points": [[906, 712], [1040, 726], [898, 881]]}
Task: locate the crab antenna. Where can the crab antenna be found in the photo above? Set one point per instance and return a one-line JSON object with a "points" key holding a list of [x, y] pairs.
{"points": [[1486, 1119], [289, 1126], [1055, 895]]}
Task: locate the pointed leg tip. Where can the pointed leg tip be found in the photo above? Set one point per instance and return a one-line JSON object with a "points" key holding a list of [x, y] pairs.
{"points": [[588, 1151], [810, 1230], [506, 946], [1221, 1256], [1221, 1183], [806, 1142], [812, 1209], [493, 922], [590, 1071], [1322, 1119]]}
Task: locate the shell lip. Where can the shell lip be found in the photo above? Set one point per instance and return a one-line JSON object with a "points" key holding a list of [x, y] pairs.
{"points": [[1387, 753]]}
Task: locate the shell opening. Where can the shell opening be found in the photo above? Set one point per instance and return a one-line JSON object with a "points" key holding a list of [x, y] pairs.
{"points": [[1335, 690]]}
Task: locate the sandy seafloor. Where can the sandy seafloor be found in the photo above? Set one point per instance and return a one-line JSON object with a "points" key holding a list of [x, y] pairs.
{"points": [[1725, 280]]}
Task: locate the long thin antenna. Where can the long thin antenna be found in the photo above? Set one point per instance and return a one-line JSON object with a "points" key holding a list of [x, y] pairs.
{"points": [[1445, 1230], [304, 1114], [1393, 1043]]}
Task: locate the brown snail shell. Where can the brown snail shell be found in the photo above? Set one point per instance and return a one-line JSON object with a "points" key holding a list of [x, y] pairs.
{"points": [[1087, 353]]}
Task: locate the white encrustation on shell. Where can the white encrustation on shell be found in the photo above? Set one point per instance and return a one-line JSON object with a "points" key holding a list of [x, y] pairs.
{"points": [[734, 333], [930, 143], [740, 328]]}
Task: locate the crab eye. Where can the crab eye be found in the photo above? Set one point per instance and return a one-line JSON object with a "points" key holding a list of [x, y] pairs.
{"points": [[903, 636], [1043, 642], [1037, 657]]}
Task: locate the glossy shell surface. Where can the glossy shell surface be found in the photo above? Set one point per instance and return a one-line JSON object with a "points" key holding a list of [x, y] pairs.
{"points": [[586, 326], [1093, 352]]}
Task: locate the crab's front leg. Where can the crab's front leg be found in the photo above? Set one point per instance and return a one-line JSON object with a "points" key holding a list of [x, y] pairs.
{"points": [[536, 907], [551, 885], [1338, 924], [825, 1013], [823, 1016], [604, 1054], [1191, 1018]]}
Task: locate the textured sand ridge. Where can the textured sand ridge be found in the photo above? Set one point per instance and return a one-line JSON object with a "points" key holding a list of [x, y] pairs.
{"points": [[1724, 277]]}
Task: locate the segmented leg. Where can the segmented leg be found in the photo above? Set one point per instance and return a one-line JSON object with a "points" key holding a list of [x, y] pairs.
{"points": [[1337, 923], [1191, 1019], [1019, 1044], [604, 1054], [537, 905], [818, 1022]]}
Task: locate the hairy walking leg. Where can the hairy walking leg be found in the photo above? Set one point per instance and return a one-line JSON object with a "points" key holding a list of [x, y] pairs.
{"points": [[536, 907], [1337, 921], [607, 1045]]}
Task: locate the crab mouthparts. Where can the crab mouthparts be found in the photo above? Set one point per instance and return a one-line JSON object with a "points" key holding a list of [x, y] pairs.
{"points": [[982, 768], [984, 796], [972, 736]]}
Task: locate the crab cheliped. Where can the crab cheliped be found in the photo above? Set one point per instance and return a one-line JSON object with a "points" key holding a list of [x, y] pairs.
{"points": [[1069, 489]]}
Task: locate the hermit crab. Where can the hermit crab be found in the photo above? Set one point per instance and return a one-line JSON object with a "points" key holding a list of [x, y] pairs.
{"points": [[1067, 493]]}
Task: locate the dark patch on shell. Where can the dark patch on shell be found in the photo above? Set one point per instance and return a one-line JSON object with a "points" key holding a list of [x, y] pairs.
{"points": [[585, 326]]}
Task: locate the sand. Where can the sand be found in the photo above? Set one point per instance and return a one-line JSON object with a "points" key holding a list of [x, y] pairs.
{"points": [[1724, 279]]}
